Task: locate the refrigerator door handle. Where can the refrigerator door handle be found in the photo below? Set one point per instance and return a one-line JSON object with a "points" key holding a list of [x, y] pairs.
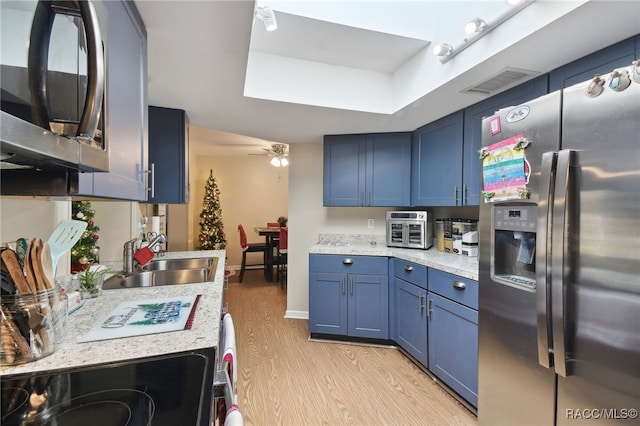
{"points": [[562, 217], [543, 261]]}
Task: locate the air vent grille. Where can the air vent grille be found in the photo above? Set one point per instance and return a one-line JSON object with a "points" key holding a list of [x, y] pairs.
{"points": [[503, 79]]}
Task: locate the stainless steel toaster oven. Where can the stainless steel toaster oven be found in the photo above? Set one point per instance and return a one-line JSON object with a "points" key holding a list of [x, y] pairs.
{"points": [[410, 229]]}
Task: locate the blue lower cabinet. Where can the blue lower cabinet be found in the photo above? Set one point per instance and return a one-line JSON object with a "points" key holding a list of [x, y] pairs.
{"points": [[411, 319], [347, 297], [453, 346]]}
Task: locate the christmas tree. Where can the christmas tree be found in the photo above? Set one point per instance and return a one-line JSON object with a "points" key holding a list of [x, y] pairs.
{"points": [[211, 227], [85, 251]]}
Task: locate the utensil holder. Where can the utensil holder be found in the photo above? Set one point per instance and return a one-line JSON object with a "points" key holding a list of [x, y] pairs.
{"points": [[32, 326]]}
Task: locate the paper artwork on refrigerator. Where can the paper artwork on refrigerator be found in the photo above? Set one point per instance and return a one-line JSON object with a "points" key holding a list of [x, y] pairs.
{"points": [[148, 316], [505, 170]]}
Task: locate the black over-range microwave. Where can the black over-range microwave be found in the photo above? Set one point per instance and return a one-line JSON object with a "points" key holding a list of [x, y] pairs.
{"points": [[53, 94]]}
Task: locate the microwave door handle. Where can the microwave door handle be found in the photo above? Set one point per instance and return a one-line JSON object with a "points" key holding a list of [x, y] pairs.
{"points": [[543, 266], [562, 214], [95, 78], [38, 59]]}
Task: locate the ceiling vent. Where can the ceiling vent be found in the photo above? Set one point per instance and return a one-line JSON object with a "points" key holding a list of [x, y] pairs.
{"points": [[504, 79]]}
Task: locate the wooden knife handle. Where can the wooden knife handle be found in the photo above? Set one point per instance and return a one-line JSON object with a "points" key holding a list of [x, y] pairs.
{"points": [[28, 269], [10, 259]]}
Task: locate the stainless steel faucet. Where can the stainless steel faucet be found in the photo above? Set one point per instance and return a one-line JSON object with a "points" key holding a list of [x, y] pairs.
{"points": [[127, 256], [128, 262]]}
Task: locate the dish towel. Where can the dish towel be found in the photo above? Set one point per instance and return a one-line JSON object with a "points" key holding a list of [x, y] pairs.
{"points": [[234, 417], [229, 354]]}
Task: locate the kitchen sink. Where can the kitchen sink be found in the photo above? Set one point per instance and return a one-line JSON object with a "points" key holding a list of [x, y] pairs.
{"points": [[186, 263], [166, 272]]}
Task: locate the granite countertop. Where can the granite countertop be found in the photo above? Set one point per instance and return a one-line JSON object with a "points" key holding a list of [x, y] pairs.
{"points": [[464, 266], [204, 332]]}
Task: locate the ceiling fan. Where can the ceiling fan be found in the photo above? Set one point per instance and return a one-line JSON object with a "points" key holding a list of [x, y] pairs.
{"points": [[278, 152]]}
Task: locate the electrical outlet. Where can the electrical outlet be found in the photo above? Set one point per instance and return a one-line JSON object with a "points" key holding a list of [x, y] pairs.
{"points": [[370, 224]]}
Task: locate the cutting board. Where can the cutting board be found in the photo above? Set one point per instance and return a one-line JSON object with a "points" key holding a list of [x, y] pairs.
{"points": [[146, 316]]}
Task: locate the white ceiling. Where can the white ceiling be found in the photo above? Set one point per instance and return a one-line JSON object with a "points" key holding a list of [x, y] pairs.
{"points": [[199, 51]]}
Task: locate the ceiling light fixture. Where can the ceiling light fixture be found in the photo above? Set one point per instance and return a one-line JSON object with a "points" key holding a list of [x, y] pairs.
{"points": [[266, 15], [478, 28], [442, 49], [279, 155], [475, 26]]}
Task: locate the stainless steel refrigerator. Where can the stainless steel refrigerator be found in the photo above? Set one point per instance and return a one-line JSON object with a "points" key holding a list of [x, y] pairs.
{"points": [[559, 279]]}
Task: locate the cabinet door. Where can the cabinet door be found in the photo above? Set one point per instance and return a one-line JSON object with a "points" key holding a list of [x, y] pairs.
{"points": [[344, 170], [601, 62], [453, 346], [388, 170], [126, 109], [368, 306], [169, 155], [328, 303], [437, 163], [411, 319], [471, 171]]}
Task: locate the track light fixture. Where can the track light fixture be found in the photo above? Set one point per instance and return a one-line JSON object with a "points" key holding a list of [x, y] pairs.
{"points": [[475, 26], [266, 15], [442, 49]]}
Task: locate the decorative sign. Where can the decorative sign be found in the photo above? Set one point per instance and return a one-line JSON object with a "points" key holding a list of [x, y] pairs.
{"points": [[505, 170], [150, 316]]}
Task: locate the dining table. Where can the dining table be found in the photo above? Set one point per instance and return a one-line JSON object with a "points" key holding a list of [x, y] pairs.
{"points": [[270, 234]]}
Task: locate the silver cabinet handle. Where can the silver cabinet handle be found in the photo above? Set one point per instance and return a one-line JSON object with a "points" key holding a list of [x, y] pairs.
{"points": [[455, 194], [458, 285], [351, 285], [429, 300], [152, 179], [343, 281], [543, 262], [369, 196], [408, 268], [466, 195], [420, 302], [347, 261]]}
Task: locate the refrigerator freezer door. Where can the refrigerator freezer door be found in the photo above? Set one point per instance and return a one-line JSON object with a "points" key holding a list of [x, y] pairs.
{"points": [[513, 387], [602, 288]]}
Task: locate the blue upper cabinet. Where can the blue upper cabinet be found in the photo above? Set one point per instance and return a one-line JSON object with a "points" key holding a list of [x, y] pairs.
{"points": [[168, 155], [367, 170], [126, 109], [471, 170], [600, 62], [437, 163]]}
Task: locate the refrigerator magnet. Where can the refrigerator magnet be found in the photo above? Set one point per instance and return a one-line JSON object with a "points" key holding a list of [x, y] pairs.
{"points": [[494, 126]]}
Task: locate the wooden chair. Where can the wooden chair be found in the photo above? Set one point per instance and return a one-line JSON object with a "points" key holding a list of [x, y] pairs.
{"points": [[283, 249], [250, 248]]}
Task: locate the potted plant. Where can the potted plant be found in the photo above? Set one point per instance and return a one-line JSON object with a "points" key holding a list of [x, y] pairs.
{"points": [[282, 220], [91, 280]]}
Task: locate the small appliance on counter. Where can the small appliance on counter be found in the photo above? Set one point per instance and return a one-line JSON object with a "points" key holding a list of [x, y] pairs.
{"points": [[410, 229], [469, 244]]}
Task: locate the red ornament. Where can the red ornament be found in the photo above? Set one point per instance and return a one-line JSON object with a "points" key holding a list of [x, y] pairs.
{"points": [[95, 237], [90, 223]]}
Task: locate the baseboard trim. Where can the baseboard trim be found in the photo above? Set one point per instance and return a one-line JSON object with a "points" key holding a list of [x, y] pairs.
{"points": [[303, 315]]}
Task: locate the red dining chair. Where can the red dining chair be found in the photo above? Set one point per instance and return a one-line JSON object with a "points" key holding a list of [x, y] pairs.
{"points": [[250, 248], [283, 249]]}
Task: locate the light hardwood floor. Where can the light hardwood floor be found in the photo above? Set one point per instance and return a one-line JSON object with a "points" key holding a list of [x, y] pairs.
{"points": [[285, 379]]}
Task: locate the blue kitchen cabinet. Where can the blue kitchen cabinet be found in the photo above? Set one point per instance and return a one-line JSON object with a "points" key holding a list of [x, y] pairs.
{"points": [[410, 309], [437, 163], [168, 155], [127, 120], [367, 170], [348, 296], [473, 115], [601, 62], [453, 332]]}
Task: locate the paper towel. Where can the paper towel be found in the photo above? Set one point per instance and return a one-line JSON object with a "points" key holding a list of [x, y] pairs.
{"points": [[155, 224]]}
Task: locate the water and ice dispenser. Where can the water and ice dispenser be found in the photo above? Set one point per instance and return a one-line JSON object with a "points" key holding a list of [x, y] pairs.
{"points": [[514, 243]]}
